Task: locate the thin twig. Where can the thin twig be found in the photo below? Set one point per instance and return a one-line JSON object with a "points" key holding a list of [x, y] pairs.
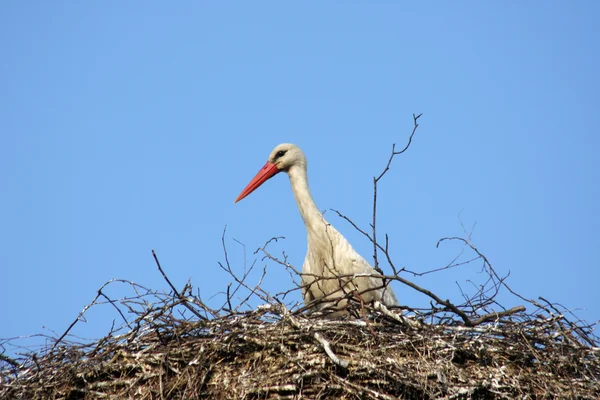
{"points": [[376, 180], [183, 299]]}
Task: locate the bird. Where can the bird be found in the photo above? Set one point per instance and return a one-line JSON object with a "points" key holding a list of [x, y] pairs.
{"points": [[333, 271]]}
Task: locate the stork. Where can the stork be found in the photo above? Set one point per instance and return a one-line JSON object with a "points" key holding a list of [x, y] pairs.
{"points": [[333, 271]]}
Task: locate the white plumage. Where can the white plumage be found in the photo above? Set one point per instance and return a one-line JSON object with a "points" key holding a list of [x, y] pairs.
{"points": [[332, 268]]}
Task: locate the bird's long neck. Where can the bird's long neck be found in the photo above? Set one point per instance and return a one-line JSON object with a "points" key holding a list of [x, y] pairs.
{"points": [[313, 219]]}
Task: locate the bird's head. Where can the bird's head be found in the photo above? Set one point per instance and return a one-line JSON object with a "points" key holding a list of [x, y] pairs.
{"points": [[287, 155], [282, 158]]}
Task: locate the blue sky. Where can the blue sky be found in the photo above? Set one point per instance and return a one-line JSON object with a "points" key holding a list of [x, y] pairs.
{"points": [[133, 126]]}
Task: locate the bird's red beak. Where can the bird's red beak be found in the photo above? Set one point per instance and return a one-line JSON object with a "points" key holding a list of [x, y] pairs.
{"points": [[266, 172]]}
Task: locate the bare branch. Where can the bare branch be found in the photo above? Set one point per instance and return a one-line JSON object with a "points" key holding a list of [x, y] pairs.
{"points": [[183, 299], [376, 180]]}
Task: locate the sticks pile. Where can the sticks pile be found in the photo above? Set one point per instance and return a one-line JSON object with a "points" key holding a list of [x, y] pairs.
{"points": [[273, 353]]}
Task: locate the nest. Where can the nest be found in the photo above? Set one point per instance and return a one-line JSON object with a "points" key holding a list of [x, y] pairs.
{"points": [[271, 353], [171, 345]]}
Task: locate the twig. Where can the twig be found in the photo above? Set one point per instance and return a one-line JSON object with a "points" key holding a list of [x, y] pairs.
{"points": [[87, 307], [115, 306], [257, 290], [183, 299], [9, 360], [497, 315], [329, 352], [396, 317], [376, 180]]}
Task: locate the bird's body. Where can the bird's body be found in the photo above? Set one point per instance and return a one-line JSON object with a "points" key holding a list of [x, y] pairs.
{"points": [[333, 271]]}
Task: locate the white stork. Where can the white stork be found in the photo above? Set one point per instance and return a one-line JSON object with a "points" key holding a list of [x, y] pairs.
{"points": [[332, 269]]}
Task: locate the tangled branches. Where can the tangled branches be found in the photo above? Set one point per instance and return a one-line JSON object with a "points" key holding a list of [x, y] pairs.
{"points": [[271, 352]]}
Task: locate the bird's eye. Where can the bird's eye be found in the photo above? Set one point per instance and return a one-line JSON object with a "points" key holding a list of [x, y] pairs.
{"points": [[280, 153]]}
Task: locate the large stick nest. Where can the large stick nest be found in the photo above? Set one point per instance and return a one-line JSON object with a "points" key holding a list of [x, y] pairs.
{"points": [[172, 345], [273, 353]]}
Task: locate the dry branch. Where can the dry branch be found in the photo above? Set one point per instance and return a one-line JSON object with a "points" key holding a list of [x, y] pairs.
{"points": [[378, 178]]}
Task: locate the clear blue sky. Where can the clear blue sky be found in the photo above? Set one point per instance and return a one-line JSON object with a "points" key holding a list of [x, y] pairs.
{"points": [[132, 126]]}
